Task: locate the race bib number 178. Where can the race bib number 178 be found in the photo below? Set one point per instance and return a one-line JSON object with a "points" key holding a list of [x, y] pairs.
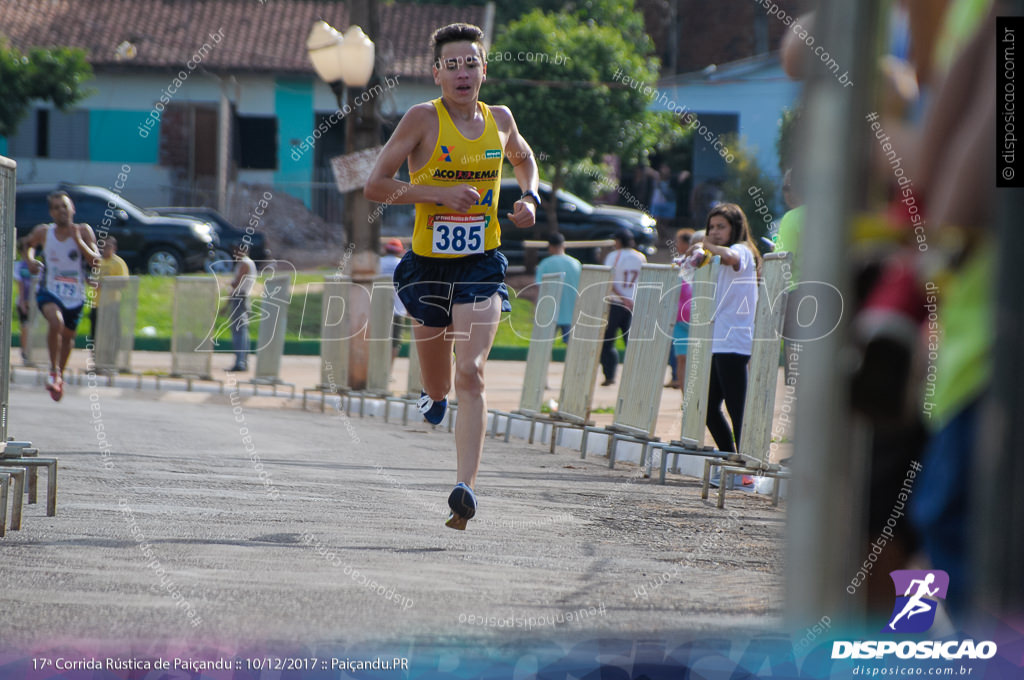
{"points": [[459, 234], [65, 286]]}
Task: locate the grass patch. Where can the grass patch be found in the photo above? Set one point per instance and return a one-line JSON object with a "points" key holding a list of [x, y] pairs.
{"points": [[156, 309]]}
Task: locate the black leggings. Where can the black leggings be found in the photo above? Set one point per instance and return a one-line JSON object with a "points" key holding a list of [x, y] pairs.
{"points": [[728, 383], [619, 319]]}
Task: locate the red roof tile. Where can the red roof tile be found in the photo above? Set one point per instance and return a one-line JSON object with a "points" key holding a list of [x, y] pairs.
{"points": [[268, 37]]}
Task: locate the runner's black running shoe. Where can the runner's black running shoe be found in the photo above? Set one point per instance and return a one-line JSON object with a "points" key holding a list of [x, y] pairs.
{"points": [[462, 501]]}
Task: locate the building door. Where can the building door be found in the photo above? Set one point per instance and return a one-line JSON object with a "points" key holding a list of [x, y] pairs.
{"points": [[188, 145]]}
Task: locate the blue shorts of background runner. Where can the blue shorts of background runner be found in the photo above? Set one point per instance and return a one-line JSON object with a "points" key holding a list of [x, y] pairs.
{"points": [[429, 286], [70, 316]]}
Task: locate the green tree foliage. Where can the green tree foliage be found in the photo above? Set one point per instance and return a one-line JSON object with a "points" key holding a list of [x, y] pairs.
{"points": [[656, 132], [744, 176], [56, 74], [617, 13], [568, 96], [588, 179]]}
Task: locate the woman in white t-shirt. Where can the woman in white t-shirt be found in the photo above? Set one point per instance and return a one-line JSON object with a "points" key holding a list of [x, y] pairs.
{"points": [[239, 305], [728, 236]]}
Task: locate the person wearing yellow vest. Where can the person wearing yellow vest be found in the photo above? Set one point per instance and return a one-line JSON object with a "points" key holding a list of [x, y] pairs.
{"points": [[111, 264], [452, 280]]}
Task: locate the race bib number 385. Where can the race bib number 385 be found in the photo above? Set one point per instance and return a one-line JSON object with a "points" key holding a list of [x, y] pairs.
{"points": [[459, 234]]}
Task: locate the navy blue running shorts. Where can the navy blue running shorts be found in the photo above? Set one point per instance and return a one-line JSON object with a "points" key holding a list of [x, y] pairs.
{"points": [[70, 316], [429, 286]]}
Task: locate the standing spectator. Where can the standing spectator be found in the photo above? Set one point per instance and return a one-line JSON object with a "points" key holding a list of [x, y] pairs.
{"points": [[110, 265], [681, 329], [26, 281], [66, 247], [956, 147], [558, 262], [788, 239], [625, 262], [728, 236], [641, 186], [791, 225], [706, 195], [393, 252], [239, 305], [663, 199]]}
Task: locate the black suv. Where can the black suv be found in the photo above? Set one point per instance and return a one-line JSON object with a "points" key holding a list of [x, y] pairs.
{"points": [[577, 221], [228, 235], [149, 243]]}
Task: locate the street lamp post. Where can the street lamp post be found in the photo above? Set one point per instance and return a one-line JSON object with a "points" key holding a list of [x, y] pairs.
{"points": [[346, 63]]}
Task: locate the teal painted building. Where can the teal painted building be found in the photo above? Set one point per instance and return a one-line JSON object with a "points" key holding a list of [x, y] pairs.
{"points": [[203, 105]]}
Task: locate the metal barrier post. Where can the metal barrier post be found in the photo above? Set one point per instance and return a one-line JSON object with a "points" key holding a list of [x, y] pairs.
{"points": [[826, 517], [7, 238]]}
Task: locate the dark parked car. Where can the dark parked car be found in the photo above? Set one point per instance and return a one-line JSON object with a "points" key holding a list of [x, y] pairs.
{"points": [[228, 234], [577, 221], [149, 243]]}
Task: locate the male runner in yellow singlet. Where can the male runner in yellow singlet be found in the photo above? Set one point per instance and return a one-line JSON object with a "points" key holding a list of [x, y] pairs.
{"points": [[452, 280]]}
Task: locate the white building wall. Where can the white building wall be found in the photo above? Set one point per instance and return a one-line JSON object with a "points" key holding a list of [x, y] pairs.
{"points": [[252, 95], [131, 92]]}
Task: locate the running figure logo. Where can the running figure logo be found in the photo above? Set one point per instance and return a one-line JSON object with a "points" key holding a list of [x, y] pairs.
{"points": [[914, 611]]}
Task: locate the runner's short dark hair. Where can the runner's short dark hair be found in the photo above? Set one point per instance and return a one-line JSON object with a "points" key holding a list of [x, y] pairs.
{"points": [[55, 195], [556, 239], [456, 33]]}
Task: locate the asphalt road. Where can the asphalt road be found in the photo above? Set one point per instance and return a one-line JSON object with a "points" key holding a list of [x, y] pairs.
{"points": [[169, 529]]}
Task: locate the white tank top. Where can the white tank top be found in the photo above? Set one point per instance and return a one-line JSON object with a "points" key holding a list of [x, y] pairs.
{"points": [[64, 276]]}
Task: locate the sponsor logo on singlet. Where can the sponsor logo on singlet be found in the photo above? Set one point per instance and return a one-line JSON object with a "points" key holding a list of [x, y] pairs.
{"points": [[466, 175]]}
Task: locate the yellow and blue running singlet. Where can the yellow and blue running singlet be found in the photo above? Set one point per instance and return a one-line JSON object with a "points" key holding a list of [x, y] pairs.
{"points": [[439, 231]]}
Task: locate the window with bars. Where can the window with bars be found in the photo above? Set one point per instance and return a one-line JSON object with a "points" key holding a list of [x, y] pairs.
{"points": [[49, 133]]}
